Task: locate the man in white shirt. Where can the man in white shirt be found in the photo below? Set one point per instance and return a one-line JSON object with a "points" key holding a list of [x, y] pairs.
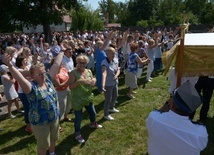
{"points": [[170, 131], [67, 60]]}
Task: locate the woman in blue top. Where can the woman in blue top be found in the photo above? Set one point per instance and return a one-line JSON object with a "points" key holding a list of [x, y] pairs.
{"points": [[42, 96], [100, 55], [132, 67]]}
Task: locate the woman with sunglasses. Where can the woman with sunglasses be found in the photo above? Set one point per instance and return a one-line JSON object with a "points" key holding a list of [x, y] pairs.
{"points": [[81, 81], [42, 96]]}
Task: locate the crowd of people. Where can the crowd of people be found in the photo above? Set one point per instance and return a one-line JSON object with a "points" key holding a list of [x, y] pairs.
{"points": [[51, 79]]}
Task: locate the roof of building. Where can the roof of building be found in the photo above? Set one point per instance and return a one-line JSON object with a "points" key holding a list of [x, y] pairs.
{"points": [[67, 19], [110, 25]]}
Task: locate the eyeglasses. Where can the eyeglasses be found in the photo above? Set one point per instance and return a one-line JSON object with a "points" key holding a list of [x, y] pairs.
{"points": [[42, 74], [82, 63]]}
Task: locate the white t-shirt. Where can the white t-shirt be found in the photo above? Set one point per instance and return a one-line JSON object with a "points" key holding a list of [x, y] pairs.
{"points": [[68, 63], [173, 134]]}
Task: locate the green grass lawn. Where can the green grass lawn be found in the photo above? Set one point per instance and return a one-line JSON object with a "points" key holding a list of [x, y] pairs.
{"points": [[126, 135]]}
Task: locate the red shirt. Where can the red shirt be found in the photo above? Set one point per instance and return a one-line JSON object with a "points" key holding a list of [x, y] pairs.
{"points": [[62, 76]]}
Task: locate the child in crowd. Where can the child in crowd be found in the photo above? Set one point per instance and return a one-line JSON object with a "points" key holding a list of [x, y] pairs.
{"points": [[9, 90], [132, 67]]}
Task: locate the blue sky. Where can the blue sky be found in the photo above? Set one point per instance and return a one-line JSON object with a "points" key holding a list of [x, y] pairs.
{"points": [[94, 3]]}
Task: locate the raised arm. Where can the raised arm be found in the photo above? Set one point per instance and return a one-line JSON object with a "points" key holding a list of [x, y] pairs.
{"points": [[24, 83], [124, 38], [176, 31], [20, 51], [110, 35], [154, 45], [55, 67]]}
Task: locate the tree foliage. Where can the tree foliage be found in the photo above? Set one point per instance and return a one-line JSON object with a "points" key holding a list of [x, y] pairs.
{"points": [[162, 12], [129, 13], [86, 19], [35, 12], [107, 8]]}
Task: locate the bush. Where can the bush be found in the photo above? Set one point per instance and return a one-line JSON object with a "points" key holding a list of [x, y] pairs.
{"points": [[142, 23]]}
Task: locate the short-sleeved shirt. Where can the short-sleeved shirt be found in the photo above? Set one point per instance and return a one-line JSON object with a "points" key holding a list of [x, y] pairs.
{"points": [[173, 134], [68, 63], [111, 68], [132, 63], [43, 103], [49, 56]]}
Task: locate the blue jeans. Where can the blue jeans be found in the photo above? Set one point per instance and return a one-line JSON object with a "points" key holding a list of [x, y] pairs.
{"points": [[78, 116], [25, 103]]}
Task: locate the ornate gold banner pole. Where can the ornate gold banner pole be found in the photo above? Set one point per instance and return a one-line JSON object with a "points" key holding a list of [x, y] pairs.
{"points": [[180, 55]]}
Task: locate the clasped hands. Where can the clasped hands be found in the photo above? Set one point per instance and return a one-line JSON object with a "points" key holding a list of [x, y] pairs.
{"points": [[91, 82]]}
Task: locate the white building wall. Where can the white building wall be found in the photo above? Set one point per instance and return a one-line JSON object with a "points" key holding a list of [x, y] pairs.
{"points": [[39, 28]]}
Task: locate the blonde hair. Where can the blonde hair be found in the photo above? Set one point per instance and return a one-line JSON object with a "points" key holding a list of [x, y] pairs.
{"points": [[46, 45], [99, 43], [71, 43], [25, 50], [35, 67], [82, 57], [110, 50], [151, 41], [65, 41], [10, 49]]}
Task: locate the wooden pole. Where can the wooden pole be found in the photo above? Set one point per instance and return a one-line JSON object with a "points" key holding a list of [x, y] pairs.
{"points": [[180, 55]]}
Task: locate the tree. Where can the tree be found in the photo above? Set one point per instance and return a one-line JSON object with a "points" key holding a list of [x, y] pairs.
{"points": [[122, 13], [142, 23], [170, 11], [142, 9], [86, 19], [107, 8], [207, 14], [7, 12], [35, 12]]}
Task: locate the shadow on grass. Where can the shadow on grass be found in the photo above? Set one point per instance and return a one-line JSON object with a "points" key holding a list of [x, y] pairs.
{"points": [[69, 142], [19, 145], [3, 104]]}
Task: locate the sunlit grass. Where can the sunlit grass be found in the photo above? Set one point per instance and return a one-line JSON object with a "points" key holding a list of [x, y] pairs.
{"points": [[126, 135]]}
